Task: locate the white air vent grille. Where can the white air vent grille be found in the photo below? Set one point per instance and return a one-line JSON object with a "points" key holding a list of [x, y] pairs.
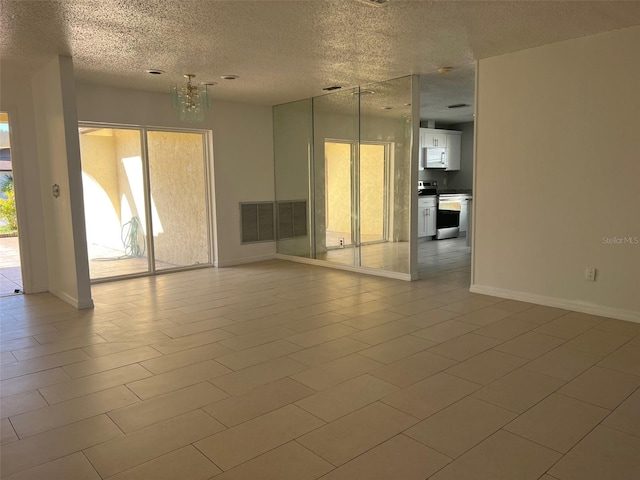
{"points": [[257, 222], [292, 219]]}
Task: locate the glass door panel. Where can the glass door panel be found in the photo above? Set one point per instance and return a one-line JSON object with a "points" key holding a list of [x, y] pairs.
{"points": [[335, 177], [385, 118], [338, 181], [373, 193], [10, 264], [114, 201], [178, 199]]}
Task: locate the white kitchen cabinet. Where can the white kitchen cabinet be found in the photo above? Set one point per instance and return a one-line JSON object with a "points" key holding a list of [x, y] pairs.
{"points": [[431, 137], [431, 221], [450, 140], [426, 216], [454, 140]]}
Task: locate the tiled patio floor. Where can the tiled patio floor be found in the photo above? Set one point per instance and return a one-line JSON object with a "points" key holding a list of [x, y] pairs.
{"points": [[10, 273]]}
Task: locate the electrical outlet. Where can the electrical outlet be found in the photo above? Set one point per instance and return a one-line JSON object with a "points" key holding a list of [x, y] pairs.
{"points": [[341, 241], [590, 274]]}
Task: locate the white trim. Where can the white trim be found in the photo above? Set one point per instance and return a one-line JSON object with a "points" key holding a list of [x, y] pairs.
{"points": [[574, 305], [74, 302], [37, 288], [242, 261], [349, 268]]}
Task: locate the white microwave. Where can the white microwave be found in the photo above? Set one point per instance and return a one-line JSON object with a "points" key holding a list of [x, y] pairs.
{"points": [[436, 157]]}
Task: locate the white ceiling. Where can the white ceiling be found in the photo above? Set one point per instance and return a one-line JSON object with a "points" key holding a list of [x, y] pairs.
{"points": [[289, 50]]}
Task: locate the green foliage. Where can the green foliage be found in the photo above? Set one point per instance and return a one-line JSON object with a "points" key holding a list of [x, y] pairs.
{"points": [[8, 205], [7, 184]]}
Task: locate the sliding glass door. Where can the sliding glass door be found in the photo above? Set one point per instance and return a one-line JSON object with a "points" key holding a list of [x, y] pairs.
{"points": [[135, 182], [179, 198]]}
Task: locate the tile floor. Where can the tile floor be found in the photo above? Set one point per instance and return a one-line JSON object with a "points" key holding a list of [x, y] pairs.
{"points": [[434, 257], [278, 370]]}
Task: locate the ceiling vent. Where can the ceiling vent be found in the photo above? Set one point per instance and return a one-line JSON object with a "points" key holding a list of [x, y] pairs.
{"points": [[458, 105], [375, 3]]}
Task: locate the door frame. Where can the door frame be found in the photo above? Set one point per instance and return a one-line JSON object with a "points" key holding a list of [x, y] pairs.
{"points": [[355, 190], [208, 187]]}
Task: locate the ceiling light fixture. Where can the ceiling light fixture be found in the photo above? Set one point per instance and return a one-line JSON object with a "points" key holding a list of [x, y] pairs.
{"points": [[229, 77], [191, 100]]}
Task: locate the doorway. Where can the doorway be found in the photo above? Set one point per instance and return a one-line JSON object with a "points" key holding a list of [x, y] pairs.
{"points": [[146, 200], [10, 265], [356, 198]]}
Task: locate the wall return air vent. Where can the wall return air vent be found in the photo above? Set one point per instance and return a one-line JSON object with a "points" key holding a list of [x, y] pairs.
{"points": [[257, 222]]}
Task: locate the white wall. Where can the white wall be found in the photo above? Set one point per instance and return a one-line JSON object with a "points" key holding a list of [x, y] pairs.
{"points": [[242, 153], [59, 159], [557, 170], [16, 99]]}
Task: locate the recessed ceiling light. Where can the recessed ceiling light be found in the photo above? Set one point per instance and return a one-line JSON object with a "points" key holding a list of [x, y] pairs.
{"points": [[229, 77], [444, 70], [154, 71], [331, 88]]}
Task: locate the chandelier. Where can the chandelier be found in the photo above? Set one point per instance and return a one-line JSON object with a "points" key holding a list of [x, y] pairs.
{"points": [[191, 100]]}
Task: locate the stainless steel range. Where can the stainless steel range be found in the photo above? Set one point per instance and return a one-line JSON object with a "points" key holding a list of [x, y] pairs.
{"points": [[448, 215]]}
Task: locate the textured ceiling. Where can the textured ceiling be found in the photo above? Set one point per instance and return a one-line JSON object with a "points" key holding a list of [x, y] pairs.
{"points": [[288, 50]]}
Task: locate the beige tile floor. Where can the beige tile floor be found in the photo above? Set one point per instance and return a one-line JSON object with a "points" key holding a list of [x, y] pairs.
{"points": [[278, 370]]}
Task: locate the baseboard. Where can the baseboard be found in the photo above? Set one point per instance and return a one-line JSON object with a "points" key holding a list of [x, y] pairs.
{"points": [[242, 261], [573, 305], [349, 268], [35, 289], [74, 302]]}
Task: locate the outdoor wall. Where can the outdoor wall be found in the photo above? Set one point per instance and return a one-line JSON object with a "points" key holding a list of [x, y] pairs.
{"points": [[128, 159], [99, 162], [59, 160], [178, 190], [557, 171], [338, 188], [242, 154], [100, 187], [16, 99]]}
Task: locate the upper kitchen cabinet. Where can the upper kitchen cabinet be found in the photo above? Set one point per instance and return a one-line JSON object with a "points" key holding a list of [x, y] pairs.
{"points": [[430, 137], [440, 149], [454, 141]]}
